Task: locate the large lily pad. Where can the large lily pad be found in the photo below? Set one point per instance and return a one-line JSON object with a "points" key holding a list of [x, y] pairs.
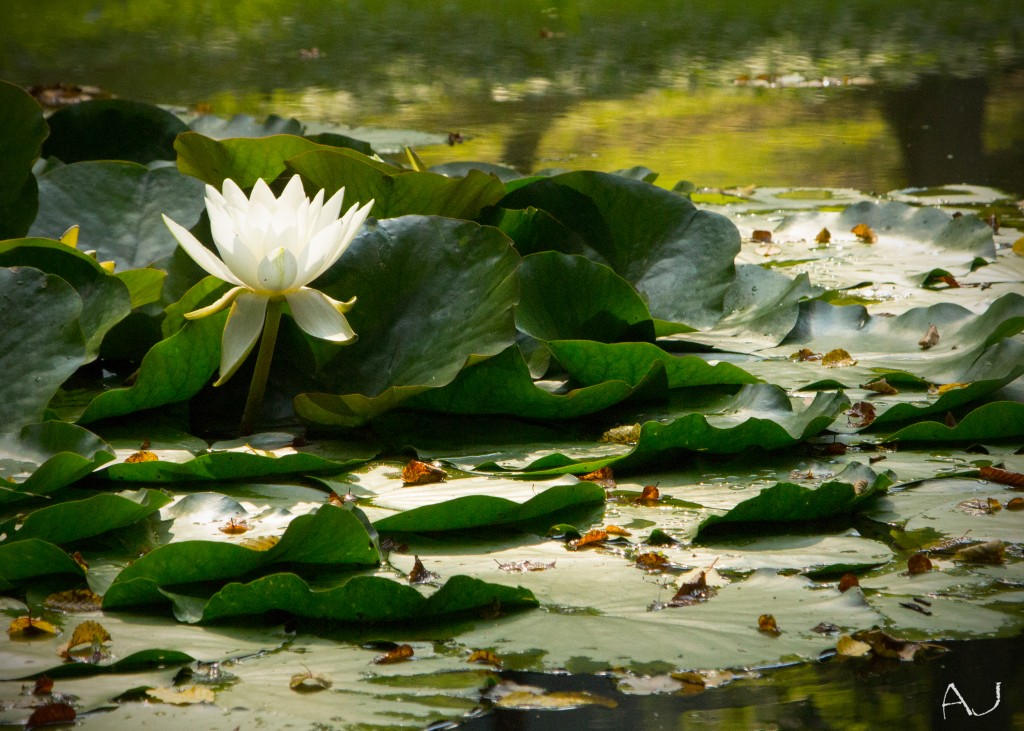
{"points": [[112, 129], [118, 207], [656, 240], [414, 332], [106, 300], [22, 131], [41, 342], [397, 192], [42, 458]]}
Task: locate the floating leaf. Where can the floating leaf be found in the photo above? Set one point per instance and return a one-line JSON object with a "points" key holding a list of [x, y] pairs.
{"points": [[861, 414], [824, 236], [485, 657], [420, 575], [234, 527], [650, 495], [885, 645], [865, 233], [605, 477], [518, 567], [849, 647], [881, 386], [143, 456], [187, 696], [837, 358], [626, 434], [51, 714], [1003, 477], [401, 653], [27, 626], [991, 552], [766, 623], [805, 354], [919, 563], [309, 682], [422, 473], [761, 236], [590, 538], [931, 338], [74, 600], [693, 592], [651, 560]]}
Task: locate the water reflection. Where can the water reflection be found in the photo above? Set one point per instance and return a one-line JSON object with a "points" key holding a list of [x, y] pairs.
{"points": [[854, 93]]}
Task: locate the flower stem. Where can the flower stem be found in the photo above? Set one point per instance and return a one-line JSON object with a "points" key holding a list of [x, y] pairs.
{"points": [[254, 403]]}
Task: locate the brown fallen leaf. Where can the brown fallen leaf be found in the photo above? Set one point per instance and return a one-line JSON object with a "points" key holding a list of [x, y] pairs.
{"points": [[309, 682], [234, 527], [766, 623], [141, 456], [590, 538], [614, 530], [485, 657], [993, 552], [931, 338], [651, 560], [43, 686], [919, 563], [27, 627], [419, 574], [693, 592], [847, 582], [603, 477], [761, 236], [825, 628], [979, 506], [865, 233], [861, 414], [824, 236], [838, 358], [188, 696], [51, 714], [881, 386], [422, 473], [648, 496], [1003, 477], [885, 645], [805, 354], [74, 600], [89, 633], [399, 654], [1016, 503]]}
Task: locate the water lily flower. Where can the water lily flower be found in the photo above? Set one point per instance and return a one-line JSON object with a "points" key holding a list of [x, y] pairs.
{"points": [[270, 249]]}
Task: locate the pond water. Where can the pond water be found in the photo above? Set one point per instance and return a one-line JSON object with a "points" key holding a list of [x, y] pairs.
{"points": [[868, 95]]}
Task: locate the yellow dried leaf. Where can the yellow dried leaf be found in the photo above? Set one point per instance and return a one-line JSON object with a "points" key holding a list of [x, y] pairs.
{"points": [[1016, 503], [191, 695], [590, 538], [260, 543], [824, 236], [603, 477], [651, 560], [766, 623], [850, 647], [628, 434], [88, 633], [141, 456], [837, 358], [649, 496], [865, 233], [1018, 246], [614, 530], [234, 527], [881, 386], [485, 657], [805, 354], [937, 390], [27, 626], [692, 682]]}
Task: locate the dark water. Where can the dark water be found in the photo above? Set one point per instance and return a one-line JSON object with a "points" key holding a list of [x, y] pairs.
{"points": [[864, 94], [838, 693]]}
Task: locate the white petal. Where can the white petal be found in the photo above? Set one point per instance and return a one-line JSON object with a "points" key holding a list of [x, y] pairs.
{"points": [[233, 195], [293, 194], [262, 195], [278, 271], [331, 209], [319, 315], [230, 296], [245, 323], [351, 223], [199, 253]]}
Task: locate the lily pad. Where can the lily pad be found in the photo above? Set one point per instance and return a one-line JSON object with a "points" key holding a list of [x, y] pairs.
{"points": [[42, 458], [112, 129], [118, 207], [997, 420], [22, 131]]}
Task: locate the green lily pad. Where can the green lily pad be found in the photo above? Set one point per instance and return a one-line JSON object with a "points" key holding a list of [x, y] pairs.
{"points": [[41, 343], [244, 125], [477, 511], [787, 503], [73, 520], [32, 558], [22, 131], [105, 299], [653, 238], [330, 537], [413, 333], [112, 129], [397, 192], [997, 420], [136, 662], [566, 297], [42, 458], [362, 599], [118, 207], [245, 160]]}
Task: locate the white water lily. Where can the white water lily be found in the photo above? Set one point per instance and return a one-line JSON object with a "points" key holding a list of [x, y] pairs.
{"points": [[270, 249]]}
